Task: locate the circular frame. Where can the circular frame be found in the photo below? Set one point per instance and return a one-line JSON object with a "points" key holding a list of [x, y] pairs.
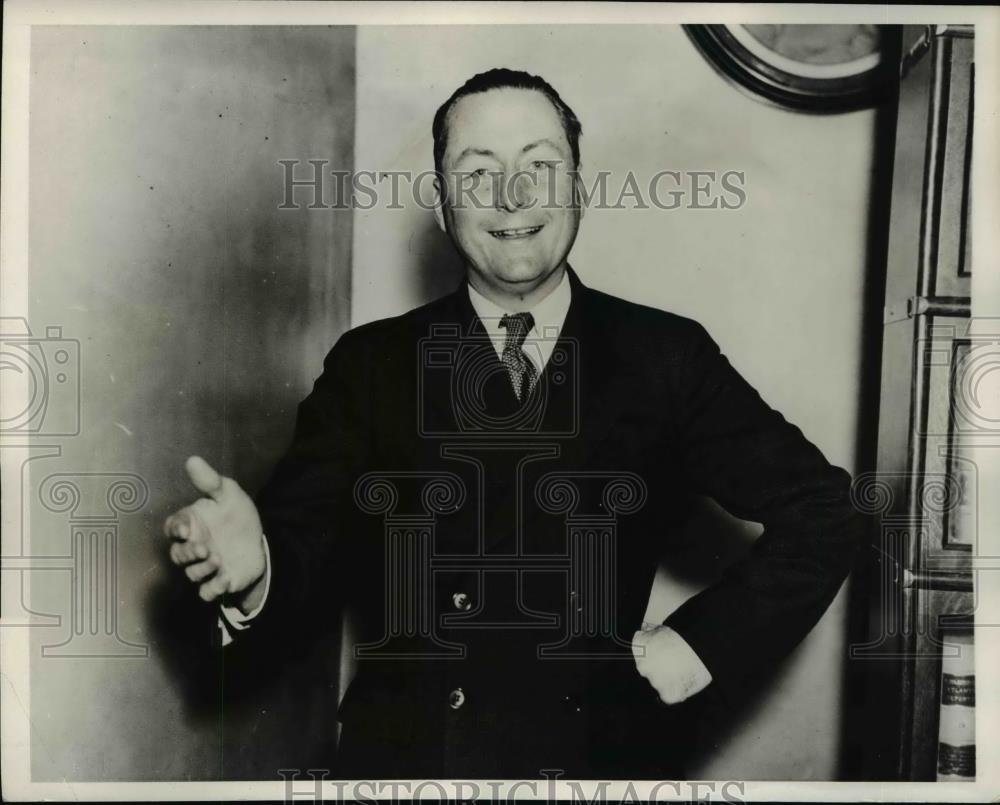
{"points": [[784, 82]]}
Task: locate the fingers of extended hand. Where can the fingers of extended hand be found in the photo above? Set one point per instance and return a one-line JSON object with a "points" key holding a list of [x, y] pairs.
{"points": [[177, 525], [184, 553], [213, 588], [199, 571], [191, 535]]}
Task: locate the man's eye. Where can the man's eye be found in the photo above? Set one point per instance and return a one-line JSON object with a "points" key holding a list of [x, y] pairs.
{"points": [[475, 178], [541, 164]]}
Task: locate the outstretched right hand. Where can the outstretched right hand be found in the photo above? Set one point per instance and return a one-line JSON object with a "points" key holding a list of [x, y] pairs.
{"points": [[218, 539]]}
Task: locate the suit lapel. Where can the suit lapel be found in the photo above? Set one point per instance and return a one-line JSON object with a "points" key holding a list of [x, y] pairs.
{"points": [[604, 390]]}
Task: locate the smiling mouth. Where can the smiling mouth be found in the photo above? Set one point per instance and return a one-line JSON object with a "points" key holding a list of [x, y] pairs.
{"points": [[515, 234]]}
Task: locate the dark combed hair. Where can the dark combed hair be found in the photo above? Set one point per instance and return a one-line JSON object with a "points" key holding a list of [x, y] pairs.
{"points": [[502, 78]]}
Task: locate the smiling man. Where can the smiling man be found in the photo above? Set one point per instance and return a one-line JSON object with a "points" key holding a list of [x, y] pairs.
{"points": [[488, 481], [510, 190]]}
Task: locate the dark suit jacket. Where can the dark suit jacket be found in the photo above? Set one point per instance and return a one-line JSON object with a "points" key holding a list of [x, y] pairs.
{"points": [[499, 556]]}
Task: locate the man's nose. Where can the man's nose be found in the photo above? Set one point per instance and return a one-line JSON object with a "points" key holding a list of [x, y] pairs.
{"points": [[512, 194]]}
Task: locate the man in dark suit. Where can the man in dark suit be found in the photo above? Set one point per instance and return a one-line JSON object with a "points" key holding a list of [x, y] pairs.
{"points": [[487, 482]]}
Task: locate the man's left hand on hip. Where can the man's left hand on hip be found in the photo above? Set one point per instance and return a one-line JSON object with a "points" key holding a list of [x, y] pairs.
{"points": [[669, 664]]}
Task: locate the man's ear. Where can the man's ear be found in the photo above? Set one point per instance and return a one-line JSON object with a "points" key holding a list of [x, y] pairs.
{"points": [[439, 195]]}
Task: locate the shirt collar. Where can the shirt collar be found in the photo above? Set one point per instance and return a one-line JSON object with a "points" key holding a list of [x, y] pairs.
{"points": [[549, 316]]}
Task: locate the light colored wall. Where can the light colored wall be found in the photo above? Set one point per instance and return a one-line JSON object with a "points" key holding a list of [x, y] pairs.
{"points": [[202, 314], [778, 282]]}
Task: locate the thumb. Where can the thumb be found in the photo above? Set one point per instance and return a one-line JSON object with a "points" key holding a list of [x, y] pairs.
{"points": [[205, 479]]}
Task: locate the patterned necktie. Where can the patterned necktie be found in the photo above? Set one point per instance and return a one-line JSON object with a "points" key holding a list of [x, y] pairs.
{"points": [[520, 368]]}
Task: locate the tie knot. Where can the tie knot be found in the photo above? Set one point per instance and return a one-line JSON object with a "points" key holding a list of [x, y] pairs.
{"points": [[517, 326]]}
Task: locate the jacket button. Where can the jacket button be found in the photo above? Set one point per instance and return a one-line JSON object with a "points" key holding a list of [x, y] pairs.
{"points": [[572, 703], [456, 698], [461, 601]]}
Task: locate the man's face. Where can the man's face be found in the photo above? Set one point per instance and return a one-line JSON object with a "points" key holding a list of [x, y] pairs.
{"points": [[510, 203]]}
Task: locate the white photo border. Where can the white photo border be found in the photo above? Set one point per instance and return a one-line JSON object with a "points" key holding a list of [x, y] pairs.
{"points": [[21, 15]]}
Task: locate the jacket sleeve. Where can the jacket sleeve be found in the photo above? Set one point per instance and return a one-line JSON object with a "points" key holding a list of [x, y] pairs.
{"points": [[739, 451], [307, 505]]}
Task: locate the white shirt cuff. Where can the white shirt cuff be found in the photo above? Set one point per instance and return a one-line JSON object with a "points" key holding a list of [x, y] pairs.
{"points": [[232, 619]]}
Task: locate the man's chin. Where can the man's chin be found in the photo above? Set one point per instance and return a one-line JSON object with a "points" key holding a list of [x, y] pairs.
{"points": [[523, 277], [516, 280], [521, 280]]}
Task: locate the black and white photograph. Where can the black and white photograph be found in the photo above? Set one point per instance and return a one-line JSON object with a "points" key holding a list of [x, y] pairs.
{"points": [[475, 402]]}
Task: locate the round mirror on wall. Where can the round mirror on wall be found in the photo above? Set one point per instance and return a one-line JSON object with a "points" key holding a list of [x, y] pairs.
{"points": [[812, 68]]}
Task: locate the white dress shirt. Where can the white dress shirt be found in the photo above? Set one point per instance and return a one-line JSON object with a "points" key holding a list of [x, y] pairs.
{"points": [[549, 316], [232, 619]]}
